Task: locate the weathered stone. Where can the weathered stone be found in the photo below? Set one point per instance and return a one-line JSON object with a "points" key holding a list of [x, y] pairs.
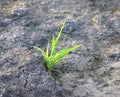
{"points": [[91, 71]]}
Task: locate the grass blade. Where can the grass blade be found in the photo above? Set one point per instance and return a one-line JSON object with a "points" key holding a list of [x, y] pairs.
{"points": [[55, 41], [66, 51], [53, 46], [47, 51], [39, 49], [59, 34]]}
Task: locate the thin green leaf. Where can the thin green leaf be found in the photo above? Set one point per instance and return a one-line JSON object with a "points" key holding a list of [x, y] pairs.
{"points": [[53, 46], [59, 34], [66, 51], [55, 41], [59, 60], [39, 49], [47, 51]]}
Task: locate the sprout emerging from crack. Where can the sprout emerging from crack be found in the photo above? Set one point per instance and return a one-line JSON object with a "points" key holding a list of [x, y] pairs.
{"points": [[52, 58]]}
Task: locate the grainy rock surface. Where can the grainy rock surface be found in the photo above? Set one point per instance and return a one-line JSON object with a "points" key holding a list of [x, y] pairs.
{"points": [[91, 71]]}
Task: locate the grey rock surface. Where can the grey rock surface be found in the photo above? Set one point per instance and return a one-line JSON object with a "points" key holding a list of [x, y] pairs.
{"points": [[91, 71], [23, 75]]}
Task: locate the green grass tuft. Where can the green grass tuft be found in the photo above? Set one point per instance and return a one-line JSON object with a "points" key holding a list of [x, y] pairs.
{"points": [[51, 59]]}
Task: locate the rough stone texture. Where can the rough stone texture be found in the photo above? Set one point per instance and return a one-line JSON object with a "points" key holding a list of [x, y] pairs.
{"points": [[23, 75], [92, 71]]}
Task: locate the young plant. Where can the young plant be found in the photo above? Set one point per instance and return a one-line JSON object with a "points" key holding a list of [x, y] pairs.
{"points": [[53, 58]]}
